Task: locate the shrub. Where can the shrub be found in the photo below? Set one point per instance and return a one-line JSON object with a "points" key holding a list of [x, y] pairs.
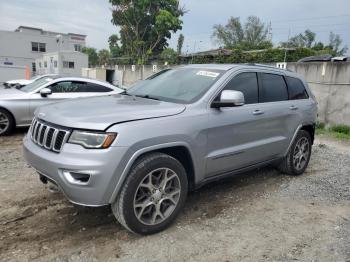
{"points": [[320, 125], [343, 129]]}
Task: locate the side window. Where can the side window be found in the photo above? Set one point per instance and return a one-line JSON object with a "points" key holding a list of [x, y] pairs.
{"points": [[68, 87], [273, 88], [296, 89], [91, 87], [247, 83]]}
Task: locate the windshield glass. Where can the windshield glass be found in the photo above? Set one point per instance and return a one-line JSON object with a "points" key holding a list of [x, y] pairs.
{"points": [[36, 84], [181, 85], [36, 77]]}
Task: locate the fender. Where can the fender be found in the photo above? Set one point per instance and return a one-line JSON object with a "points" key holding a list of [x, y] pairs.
{"points": [[139, 153], [294, 136]]}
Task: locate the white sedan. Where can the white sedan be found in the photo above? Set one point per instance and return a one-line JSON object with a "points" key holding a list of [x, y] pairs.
{"points": [[23, 82], [17, 106]]}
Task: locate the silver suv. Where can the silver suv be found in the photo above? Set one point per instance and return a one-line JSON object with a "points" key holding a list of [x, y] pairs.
{"points": [[143, 150]]}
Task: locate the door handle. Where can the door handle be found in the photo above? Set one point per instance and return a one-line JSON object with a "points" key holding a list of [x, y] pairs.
{"points": [[293, 107], [258, 112]]}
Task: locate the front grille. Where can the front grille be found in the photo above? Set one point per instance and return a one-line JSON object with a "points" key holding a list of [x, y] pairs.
{"points": [[47, 136]]}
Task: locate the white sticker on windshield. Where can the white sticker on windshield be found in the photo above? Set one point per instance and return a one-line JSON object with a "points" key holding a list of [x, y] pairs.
{"points": [[207, 73]]}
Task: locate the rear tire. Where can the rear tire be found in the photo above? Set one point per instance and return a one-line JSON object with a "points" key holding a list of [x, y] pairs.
{"points": [[298, 157], [153, 194], [7, 123]]}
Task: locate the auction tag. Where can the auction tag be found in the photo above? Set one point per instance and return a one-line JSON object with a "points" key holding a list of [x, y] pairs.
{"points": [[207, 73]]}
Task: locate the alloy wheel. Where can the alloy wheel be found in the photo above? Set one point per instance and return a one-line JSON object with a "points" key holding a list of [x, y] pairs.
{"points": [[157, 196], [4, 123], [301, 153]]}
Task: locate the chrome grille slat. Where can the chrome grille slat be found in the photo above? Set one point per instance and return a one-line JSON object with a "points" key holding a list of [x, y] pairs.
{"points": [[47, 136]]}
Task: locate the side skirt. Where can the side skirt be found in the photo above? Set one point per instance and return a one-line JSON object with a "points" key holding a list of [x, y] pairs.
{"points": [[236, 172]]}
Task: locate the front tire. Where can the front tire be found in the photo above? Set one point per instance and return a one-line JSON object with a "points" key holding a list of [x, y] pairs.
{"points": [[298, 157], [153, 194], [7, 123]]}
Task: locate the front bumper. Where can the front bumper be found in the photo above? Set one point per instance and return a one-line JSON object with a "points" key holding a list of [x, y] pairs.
{"points": [[100, 164]]}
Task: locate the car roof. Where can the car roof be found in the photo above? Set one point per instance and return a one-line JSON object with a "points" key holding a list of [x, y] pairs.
{"points": [[73, 78], [224, 67], [227, 67]]}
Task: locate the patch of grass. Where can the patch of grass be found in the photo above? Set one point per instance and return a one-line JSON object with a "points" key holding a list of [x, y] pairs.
{"points": [[343, 129], [341, 132]]}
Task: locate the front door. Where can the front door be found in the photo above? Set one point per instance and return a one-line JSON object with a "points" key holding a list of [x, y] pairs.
{"points": [[236, 134]]}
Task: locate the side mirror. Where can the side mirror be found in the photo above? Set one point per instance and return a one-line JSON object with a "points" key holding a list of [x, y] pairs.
{"points": [[45, 92], [229, 98]]}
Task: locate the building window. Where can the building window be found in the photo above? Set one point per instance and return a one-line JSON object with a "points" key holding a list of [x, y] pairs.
{"points": [[33, 67], [45, 64], [42, 47], [35, 46], [55, 64], [77, 47], [68, 64], [38, 47]]}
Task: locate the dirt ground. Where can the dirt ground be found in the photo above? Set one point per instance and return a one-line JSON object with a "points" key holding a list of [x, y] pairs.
{"points": [[259, 216]]}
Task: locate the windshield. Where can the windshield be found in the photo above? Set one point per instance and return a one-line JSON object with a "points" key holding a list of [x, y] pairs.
{"points": [[36, 84], [181, 85], [36, 77]]}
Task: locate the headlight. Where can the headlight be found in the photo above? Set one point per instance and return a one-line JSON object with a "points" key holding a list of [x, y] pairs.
{"points": [[92, 140]]}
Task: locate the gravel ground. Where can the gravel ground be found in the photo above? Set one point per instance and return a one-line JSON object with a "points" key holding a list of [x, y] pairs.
{"points": [[259, 216]]}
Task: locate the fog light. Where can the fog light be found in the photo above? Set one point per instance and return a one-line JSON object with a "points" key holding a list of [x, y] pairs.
{"points": [[77, 178]]}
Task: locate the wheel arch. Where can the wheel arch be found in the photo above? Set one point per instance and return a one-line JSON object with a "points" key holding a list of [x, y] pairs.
{"points": [[310, 128], [179, 150]]}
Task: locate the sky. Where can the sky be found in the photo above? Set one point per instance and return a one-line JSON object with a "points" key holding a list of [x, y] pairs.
{"points": [[93, 18]]}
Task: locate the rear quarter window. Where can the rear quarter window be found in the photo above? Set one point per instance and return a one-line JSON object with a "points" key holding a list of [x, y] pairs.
{"points": [[296, 88]]}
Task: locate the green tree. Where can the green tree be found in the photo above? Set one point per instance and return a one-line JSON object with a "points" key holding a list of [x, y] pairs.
{"points": [[92, 55], [335, 42], [104, 57], [305, 39], [145, 25], [180, 42], [169, 55], [114, 47], [252, 35]]}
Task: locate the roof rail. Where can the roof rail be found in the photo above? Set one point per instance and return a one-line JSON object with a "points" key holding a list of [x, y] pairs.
{"points": [[268, 66]]}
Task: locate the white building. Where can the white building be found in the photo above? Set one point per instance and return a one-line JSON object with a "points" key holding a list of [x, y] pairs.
{"points": [[65, 63], [20, 48]]}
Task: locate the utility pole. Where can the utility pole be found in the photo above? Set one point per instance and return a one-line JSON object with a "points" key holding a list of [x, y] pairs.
{"points": [[269, 32], [285, 49], [194, 49]]}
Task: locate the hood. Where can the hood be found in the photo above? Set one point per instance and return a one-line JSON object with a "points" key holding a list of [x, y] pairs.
{"points": [[20, 81], [10, 93], [99, 113]]}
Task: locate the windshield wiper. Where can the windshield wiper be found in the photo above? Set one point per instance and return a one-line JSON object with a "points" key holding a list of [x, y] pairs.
{"points": [[125, 93], [147, 96]]}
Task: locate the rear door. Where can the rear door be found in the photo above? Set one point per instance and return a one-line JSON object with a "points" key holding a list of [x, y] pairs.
{"points": [[275, 113], [299, 103]]}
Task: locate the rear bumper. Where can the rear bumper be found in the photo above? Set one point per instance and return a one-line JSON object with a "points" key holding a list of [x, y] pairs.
{"points": [[100, 165]]}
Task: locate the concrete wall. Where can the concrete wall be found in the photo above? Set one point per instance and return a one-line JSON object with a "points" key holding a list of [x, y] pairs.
{"points": [[330, 82], [11, 72], [133, 74]]}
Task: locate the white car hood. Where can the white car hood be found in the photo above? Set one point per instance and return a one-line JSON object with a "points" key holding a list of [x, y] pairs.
{"points": [[19, 81]]}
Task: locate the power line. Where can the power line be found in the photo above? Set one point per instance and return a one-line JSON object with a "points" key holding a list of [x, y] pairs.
{"points": [[306, 26], [310, 18]]}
